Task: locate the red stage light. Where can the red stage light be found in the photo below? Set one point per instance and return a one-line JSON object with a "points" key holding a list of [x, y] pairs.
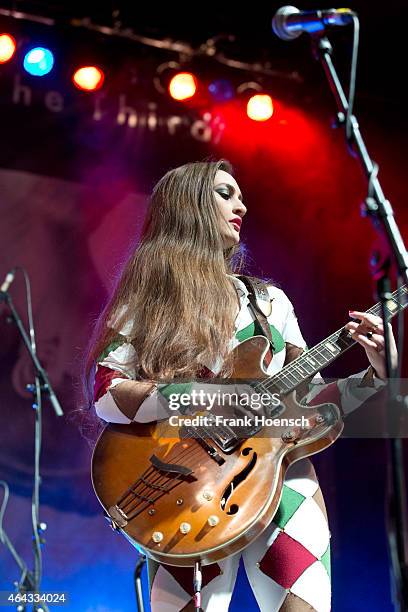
{"points": [[7, 48], [183, 86], [260, 107], [88, 78]]}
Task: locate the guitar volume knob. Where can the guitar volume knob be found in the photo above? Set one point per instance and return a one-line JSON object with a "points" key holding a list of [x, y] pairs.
{"points": [[213, 520], [185, 527], [157, 536], [288, 436]]}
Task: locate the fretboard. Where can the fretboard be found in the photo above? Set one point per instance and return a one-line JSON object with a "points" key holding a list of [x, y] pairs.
{"points": [[318, 357]]}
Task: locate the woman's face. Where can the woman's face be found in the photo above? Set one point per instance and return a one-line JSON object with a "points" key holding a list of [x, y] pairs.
{"points": [[231, 208]]}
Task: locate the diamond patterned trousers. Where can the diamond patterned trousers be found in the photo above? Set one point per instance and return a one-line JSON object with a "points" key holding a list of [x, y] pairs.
{"points": [[288, 565]]}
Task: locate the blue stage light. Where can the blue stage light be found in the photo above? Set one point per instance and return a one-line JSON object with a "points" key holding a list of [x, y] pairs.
{"points": [[221, 90], [39, 61]]}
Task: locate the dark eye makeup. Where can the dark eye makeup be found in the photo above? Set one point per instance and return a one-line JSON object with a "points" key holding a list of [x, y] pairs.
{"points": [[226, 192], [225, 195]]}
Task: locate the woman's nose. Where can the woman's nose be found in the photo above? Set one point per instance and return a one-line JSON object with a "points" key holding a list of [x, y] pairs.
{"points": [[240, 208]]}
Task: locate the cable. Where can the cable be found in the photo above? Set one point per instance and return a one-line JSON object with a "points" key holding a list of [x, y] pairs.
{"points": [[35, 500], [352, 84], [4, 484], [4, 539]]}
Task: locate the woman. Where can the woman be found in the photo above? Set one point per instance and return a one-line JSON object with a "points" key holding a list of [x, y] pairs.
{"points": [[178, 312]]}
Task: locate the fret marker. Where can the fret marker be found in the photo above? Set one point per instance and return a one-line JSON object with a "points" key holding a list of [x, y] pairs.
{"points": [[392, 306], [330, 347], [311, 361]]}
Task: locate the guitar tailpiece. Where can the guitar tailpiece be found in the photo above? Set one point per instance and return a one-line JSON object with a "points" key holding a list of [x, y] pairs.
{"points": [[118, 517]]}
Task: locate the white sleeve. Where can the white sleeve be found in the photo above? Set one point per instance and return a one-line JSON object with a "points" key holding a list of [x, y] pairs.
{"points": [[291, 331], [113, 367]]}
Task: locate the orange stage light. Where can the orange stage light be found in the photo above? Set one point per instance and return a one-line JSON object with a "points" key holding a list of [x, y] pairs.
{"points": [[7, 48], [260, 107], [183, 86], [88, 78]]}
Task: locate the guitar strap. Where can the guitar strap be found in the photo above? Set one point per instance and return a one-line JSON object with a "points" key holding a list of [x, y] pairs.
{"points": [[261, 306], [259, 302]]}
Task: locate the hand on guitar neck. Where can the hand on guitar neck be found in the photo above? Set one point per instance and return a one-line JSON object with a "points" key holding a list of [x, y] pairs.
{"points": [[368, 331]]}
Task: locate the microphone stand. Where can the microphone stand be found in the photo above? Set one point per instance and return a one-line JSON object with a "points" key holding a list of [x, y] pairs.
{"points": [[32, 580], [137, 577], [379, 209], [26, 582], [40, 372]]}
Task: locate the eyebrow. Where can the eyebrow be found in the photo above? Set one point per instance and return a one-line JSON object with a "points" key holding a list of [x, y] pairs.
{"points": [[231, 187]]}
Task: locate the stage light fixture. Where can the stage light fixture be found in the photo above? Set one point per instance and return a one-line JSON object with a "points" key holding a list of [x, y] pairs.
{"points": [[183, 86], [39, 61], [221, 90], [259, 104], [260, 107], [88, 78], [174, 79], [7, 48]]}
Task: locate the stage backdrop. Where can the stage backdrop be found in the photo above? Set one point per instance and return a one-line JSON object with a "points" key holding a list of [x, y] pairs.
{"points": [[73, 193]]}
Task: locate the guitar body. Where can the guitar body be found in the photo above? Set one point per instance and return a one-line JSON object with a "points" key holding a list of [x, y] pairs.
{"points": [[183, 499]]}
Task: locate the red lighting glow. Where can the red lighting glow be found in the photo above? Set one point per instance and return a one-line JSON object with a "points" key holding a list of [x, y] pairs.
{"points": [[183, 86], [88, 78], [7, 48]]}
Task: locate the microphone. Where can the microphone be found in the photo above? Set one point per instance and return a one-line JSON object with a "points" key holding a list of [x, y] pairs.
{"points": [[8, 280], [289, 23]]}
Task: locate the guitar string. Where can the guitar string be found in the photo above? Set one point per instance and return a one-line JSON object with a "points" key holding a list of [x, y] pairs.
{"points": [[160, 475], [294, 365], [128, 491], [188, 451], [173, 459], [131, 493], [176, 458], [167, 479], [335, 338], [160, 479], [133, 515]]}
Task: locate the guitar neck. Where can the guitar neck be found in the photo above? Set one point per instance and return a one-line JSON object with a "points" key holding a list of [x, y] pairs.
{"points": [[324, 353]]}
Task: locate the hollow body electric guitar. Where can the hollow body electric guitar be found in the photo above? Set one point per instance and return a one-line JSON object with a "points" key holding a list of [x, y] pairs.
{"points": [[206, 492]]}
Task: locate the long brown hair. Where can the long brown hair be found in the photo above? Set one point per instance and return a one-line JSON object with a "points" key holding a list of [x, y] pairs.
{"points": [[174, 287]]}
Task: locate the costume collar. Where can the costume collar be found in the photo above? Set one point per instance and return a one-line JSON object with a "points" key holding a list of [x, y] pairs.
{"points": [[240, 286]]}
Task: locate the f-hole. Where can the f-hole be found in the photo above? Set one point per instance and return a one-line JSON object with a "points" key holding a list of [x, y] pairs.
{"points": [[238, 478]]}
